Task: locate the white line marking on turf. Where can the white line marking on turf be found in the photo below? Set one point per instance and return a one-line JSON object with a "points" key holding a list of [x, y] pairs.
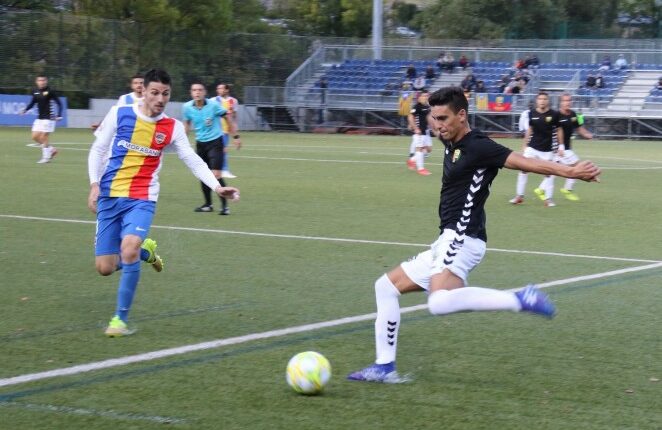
{"points": [[93, 412], [329, 239], [169, 352]]}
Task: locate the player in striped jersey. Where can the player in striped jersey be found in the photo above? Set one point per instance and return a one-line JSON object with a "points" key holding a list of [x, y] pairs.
{"points": [[136, 94], [44, 97], [229, 124], [123, 167], [421, 141], [569, 122]]}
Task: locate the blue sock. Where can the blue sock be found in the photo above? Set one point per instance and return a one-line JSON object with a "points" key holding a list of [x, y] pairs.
{"points": [[127, 289], [144, 254]]}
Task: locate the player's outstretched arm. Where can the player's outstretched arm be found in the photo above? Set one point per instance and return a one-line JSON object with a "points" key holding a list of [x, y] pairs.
{"points": [[584, 170]]}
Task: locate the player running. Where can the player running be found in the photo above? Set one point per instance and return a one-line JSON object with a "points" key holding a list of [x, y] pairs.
{"points": [[136, 94], [570, 121], [540, 142], [229, 123], [421, 141], [471, 162], [123, 166], [42, 96]]}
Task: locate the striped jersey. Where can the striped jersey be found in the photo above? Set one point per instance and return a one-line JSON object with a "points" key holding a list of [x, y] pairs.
{"points": [[126, 156], [230, 105], [128, 99]]}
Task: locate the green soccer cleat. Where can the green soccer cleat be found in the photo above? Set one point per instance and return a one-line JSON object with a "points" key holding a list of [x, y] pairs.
{"points": [[570, 195], [540, 193], [118, 328], [150, 246]]}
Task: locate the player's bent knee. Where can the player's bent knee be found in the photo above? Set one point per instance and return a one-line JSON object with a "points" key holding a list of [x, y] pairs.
{"points": [[104, 268], [384, 287], [439, 303]]}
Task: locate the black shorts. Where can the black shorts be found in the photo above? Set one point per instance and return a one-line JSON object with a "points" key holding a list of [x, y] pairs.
{"points": [[211, 153]]}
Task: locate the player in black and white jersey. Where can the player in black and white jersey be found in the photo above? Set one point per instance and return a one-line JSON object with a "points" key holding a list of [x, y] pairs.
{"points": [[421, 141], [540, 142], [570, 121], [471, 162], [44, 97]]}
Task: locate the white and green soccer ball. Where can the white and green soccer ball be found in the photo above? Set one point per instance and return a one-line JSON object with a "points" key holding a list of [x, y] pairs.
{"points": [[308, 372]]}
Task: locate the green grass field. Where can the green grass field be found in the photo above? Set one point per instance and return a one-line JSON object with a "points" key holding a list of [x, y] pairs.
{"points": [[273, 265]]}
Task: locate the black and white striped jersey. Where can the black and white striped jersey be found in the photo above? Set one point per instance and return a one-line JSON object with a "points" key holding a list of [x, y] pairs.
{"points": [[568, 123], [420, 113], [470, 166]]}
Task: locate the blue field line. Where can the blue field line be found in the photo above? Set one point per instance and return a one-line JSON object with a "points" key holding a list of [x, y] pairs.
{"points": [[269, 346]]}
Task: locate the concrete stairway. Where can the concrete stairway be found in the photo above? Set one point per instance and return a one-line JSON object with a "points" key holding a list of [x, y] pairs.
{"points": [[630, 98]]}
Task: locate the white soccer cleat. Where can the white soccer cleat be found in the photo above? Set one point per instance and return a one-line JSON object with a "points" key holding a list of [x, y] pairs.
{"points": [[227, 174]]}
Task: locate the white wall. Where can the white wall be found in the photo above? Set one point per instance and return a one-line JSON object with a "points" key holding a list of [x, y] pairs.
{"points": [[84, 118]]}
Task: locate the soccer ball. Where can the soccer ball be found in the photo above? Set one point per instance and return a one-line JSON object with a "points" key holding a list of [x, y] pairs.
{"points": [[308, 372]]}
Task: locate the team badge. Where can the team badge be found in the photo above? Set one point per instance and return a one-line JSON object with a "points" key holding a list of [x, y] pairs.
{"points": [[44, 93], [548, 119], [574, 119], [456, 155], [159, 137]]}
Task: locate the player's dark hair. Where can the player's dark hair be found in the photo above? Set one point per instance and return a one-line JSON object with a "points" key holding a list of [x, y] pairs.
{"points": [[453, 97], [41, 76], [227, 86], [542, 93], [137, 76], [198, 82], [157, 75]]}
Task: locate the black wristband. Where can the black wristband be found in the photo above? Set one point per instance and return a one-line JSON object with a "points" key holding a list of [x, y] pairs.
{"points": [[236, 136]]}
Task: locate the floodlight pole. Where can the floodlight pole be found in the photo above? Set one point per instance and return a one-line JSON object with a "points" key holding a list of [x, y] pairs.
{"points": [[377, 30]]}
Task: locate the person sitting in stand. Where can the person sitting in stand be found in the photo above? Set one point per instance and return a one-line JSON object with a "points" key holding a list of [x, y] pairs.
{"points": [[463, 62]]}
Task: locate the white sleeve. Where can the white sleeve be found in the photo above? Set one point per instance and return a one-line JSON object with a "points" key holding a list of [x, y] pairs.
{"points": [[96, 160], [185, 153]]}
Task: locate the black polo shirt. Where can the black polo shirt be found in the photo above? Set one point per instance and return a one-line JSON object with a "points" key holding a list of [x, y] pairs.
{"points": [[470, 166]]}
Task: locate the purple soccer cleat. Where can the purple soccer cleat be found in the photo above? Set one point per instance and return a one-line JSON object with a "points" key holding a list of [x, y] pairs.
{"points": [[535, 301]]}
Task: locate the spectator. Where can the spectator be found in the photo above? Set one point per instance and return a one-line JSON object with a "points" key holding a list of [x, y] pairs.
{"points": [[440, 60], [606, 64], [590, 81], [468, 83], [429, 73], [599, 81], [463, 62], [659, 84], [532, 62], [411, 72], [448, 62], [419, 83], [519, 65], [503, 83], [621, 63], [480, 87]]}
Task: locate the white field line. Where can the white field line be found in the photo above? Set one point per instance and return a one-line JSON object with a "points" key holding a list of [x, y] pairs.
{"points": [[328, 239], [93, 412], [169, 352], [323, 160]]}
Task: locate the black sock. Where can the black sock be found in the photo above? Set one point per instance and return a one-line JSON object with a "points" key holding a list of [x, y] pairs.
{"points": [[206, 192], [224, 201]]}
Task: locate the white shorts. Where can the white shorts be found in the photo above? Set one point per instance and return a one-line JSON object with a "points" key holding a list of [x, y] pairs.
{"points": [[422, 140], [43, 125], [569, 158], [540, 155], [421, 267]]}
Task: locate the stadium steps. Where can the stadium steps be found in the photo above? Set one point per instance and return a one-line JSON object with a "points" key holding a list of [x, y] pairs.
{"points": [[631, 97], [278, 118], [447, 80]]}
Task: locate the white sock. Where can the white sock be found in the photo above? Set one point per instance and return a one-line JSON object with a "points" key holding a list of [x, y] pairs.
{"points": [[387, 323], [412, 147], [521, 183], [443, 302], [569, 184], [419, 159], [45, 151], [549, 191]]}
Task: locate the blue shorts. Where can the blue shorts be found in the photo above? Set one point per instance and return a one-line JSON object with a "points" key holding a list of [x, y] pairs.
{"points": [[117, 217], [226, 139]]}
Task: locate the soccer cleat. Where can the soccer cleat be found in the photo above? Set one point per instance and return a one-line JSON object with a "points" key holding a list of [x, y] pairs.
{"points": [[423, 172], [549, 203], [225, 211], [411, 164], [43, 160], [535, 301], [149, 245], [517, 200], [54, 152], [227, 174], [540, 193], [376, 373], [570, 195], [204, 208], [118, 328]]}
